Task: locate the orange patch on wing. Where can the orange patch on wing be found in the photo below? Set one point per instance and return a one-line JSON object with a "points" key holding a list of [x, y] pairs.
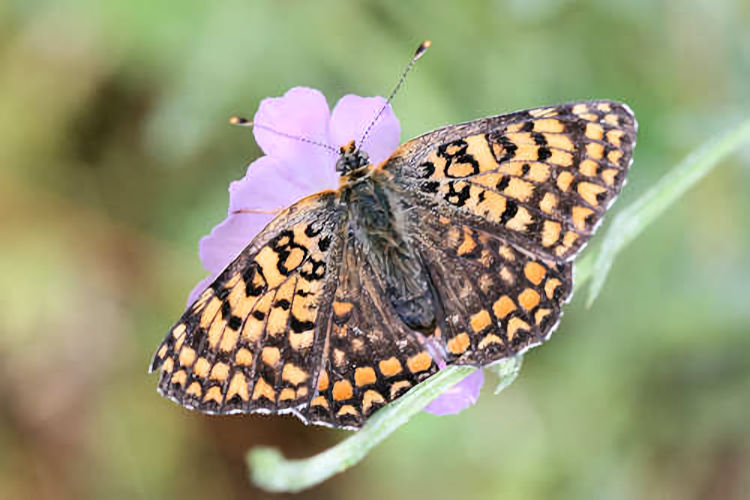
{"points": [[467, 246], [293, 374], [589, 192], [397, 387], [480, 150], [458, 344], [162, 351], [319, 401], [564, 180], [238, 387], [528, 299], [579, 215], [550, 286], [323, 381], [549, 125], [341, 309], [209, 313], [187, 356], [559, 141], [263, 389], [490, 339], [271, 355], [614, 137], [534, 272], [213, 394], [243, 357], [561, 158], [229, 340], [519, 189], [594, 131], [302, 340], [364, 375], [371, 397], [342, 390], [179, 377], [550, 232], [548, 203], [588, 168], [219, 372], [609, 176], [595, 150], [168, 365], [519, 221], [287, 394], [419, 362], [541, 314], [390, 367], [515, 324], [480, 321], [201, 367], [503, 306], [195, 389]]}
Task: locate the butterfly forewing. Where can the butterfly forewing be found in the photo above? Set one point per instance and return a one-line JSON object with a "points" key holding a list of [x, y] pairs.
{"points": [[541, 179], [252, 341]]}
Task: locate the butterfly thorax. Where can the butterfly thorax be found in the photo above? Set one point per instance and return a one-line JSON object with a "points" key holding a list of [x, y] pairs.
{"points": [[378, 223]]}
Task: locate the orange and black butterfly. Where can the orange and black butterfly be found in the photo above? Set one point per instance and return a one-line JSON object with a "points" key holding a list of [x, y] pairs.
{"points": [[460, 245]]}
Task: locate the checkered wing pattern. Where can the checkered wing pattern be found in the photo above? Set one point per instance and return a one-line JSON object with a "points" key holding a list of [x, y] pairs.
{"points": [[540, 179], [253, 340]]}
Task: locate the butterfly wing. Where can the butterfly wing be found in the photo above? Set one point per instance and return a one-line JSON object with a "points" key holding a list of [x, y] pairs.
{"points": [[296, 324], [253, 340], [370, 357], [498, 300], [541, 179]]}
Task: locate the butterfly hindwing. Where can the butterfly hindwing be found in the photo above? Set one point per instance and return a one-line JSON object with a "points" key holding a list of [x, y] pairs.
{"points": [[370, 358], [540, 179], [498, 300]]}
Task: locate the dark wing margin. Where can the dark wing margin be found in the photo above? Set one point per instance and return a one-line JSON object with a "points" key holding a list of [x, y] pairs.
{"points": [[541, 179], [253, 340]]}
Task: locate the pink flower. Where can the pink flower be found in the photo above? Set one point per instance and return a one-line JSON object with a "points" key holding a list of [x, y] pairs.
{"points": [[293, 169]]}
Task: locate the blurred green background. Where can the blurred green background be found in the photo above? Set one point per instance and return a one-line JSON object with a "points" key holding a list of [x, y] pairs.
{"points": [[116, 156]]}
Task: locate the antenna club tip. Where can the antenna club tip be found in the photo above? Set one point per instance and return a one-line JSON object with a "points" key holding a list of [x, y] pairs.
{"points": [[238, 120], [422, 49]]}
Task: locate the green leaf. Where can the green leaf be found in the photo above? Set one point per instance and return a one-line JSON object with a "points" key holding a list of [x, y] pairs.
{"points": [[271, 471]]}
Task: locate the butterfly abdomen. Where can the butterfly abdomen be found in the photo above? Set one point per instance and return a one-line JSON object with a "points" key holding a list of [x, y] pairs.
{"points": [[378, 224]]}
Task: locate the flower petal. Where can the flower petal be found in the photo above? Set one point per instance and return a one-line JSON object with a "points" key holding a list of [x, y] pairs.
{"points": [[353, 114], [198, 289], [229, 238], [459, 397], [301, 112], [268, 184]]}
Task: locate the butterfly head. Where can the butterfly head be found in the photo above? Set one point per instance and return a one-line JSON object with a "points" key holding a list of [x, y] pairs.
{"points": [[351, 159]]}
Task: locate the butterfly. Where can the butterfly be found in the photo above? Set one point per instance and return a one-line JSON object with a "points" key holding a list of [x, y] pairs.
{"points": [[458, 249]]}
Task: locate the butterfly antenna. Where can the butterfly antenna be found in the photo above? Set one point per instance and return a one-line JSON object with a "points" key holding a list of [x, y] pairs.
{"points": [[244, 122], [419, 53]]}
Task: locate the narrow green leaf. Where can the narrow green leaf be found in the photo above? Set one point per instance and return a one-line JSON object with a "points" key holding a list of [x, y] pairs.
{"points": [[632, 220]]}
